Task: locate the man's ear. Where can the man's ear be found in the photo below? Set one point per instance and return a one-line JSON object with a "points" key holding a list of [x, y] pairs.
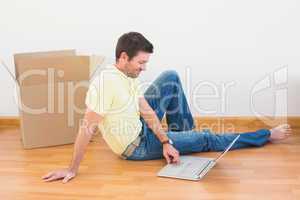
{"points": [[124, 57]]}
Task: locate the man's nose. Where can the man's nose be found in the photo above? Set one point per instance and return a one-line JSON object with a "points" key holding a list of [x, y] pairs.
{"points": [[143, 67]]}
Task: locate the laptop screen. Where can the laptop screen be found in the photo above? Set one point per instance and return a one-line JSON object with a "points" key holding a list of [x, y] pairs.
{"points": [[227, 149]]}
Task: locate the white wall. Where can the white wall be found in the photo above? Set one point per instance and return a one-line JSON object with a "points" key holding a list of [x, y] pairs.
{"points": [[218, 41]]}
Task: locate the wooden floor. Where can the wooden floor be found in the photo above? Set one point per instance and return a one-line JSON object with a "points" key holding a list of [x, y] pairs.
{"points": [[271, 172]]}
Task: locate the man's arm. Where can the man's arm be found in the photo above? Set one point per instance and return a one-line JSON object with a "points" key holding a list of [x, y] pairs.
{"points": [[150, 117], [86, 129]]}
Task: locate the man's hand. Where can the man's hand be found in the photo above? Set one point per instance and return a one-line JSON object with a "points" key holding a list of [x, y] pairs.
{"points": [[170, 154], [86, 130], [64, 174]]}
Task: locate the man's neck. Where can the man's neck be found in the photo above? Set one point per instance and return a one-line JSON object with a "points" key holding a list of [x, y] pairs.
{"points": [[120, 68]]}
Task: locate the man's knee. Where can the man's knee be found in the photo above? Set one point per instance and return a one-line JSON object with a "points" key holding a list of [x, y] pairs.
{"points": [[170, 75]]}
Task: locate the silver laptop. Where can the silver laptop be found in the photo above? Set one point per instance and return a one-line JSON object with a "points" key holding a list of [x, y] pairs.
{"points": [[192, 167]]}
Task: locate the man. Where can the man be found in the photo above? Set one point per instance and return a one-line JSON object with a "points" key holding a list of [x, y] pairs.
{"points": [[130, 121]]}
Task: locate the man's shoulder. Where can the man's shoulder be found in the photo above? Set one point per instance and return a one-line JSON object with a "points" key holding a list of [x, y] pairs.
{"points": [[108, 73]]}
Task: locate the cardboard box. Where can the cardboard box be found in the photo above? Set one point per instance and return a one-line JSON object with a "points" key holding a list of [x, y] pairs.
{"points": [[52, 90], [67, 52]]}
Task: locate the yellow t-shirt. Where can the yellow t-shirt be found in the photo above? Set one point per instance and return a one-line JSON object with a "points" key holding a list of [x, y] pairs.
{"points": [[114, 96]]}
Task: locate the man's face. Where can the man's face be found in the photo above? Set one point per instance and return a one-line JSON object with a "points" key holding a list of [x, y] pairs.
{"points": [[137, 64]]}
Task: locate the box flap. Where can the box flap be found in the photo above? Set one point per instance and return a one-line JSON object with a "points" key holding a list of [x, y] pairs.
{"points": [[67, 52], [96, 62]]}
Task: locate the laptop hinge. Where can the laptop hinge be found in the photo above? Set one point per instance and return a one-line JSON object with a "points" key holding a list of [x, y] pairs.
{"points": [[209, 165]]}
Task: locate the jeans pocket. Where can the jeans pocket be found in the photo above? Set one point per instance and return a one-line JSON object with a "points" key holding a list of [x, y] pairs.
{"points": [[139, 152]]}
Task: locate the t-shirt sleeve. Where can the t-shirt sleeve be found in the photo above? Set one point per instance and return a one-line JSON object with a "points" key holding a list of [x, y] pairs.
{"points": [[100, 94]]}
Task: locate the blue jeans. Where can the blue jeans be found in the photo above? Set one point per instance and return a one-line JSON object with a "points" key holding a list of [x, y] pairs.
{"points": [[165, 95]]}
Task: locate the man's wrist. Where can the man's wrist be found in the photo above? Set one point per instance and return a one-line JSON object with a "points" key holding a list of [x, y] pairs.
{"points": [[73, 169], [167, 141], [167, 145]]}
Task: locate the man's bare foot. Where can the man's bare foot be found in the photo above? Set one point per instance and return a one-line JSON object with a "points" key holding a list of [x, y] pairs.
{"points": [[280, 132]]}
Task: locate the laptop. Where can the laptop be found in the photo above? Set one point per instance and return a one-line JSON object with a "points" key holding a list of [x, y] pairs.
{"points": [[192, 167]]}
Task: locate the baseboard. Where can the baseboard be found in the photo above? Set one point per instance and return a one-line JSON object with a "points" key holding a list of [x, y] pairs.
{"points": [[208, 122], [9, 121], [221, 124], [244, 123]]}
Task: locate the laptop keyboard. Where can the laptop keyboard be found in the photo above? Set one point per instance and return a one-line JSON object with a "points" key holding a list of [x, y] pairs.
{"points": [[187, 167]]}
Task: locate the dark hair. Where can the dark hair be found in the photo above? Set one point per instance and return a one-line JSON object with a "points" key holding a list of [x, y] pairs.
{"points": [[131, 43]]}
